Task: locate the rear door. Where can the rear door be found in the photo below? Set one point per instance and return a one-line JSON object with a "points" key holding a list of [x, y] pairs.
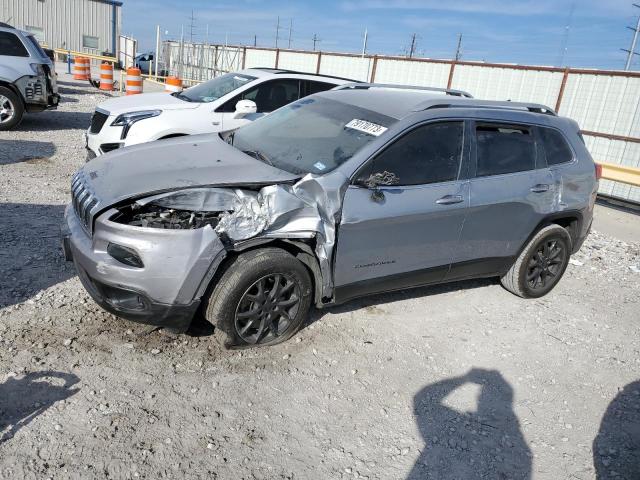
{"points": [[511, 192], [405, 234]]}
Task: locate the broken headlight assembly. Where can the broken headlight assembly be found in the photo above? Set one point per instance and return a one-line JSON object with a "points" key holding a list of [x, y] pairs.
{"points": [[126, 120], [181, 210]]}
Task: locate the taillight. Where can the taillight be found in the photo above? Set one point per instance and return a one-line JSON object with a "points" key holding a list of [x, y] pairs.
{"points": [[598, 171]]}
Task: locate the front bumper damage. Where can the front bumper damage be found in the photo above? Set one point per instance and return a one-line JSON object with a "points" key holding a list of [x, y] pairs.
{"points": [[180, 263]]}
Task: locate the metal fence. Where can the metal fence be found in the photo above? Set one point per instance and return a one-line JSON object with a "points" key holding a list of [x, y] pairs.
{"points": [[605, 103]]}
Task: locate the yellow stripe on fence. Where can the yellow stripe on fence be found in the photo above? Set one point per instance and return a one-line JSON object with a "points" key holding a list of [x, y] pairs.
{"points": [[621, 173]]}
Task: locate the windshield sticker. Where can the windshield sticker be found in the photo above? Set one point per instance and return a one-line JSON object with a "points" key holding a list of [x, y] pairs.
{"points": [[366, 127], [240, 79], [319, 166]]}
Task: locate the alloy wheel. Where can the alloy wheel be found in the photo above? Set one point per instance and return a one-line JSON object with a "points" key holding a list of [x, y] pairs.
{"points": [[546, 264], [7, 110], [267, 309]]}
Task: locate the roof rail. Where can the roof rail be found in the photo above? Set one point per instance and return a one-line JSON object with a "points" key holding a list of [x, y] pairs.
{"points": [[278, 71], [366, 86], [508, 105]]}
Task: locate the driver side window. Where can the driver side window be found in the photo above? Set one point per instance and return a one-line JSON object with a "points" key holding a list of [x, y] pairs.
{"points": [[428, 154], [268, 96]]}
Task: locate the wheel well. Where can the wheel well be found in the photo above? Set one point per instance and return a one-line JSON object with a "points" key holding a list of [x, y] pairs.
{"points": [[571, 224], [301, 249], [14, 89]]}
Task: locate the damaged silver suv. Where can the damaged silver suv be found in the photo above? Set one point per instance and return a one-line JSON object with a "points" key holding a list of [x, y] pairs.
{"points": [[358, 190]]}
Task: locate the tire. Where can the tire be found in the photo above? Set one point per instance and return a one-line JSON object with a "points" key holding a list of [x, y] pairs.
{"points": [[541, 264], [242, 306], [11, 109]]}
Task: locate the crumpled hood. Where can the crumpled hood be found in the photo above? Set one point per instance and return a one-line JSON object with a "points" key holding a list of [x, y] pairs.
{"points": [[146, 101], [173, 164]]}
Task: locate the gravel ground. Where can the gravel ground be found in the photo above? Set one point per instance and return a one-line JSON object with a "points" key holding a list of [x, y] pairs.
{"points": [[453, 382]]}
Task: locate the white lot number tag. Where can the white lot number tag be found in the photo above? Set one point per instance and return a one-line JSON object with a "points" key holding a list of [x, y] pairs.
{"points": [[366, 127]]}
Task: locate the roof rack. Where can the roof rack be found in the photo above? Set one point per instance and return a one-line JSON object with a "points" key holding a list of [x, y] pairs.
{"points": [[277, 71], [530, 107], [366, 86]]}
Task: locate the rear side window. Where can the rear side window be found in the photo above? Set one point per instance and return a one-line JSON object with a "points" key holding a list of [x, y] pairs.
{"points": [[504, 149], [268, 96], [315, 87], [11, 45], [429, 154], [555, 147]]}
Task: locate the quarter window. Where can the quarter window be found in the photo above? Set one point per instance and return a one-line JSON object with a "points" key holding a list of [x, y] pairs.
{"points": [[504, 149], [429, 154], [11, 46], [555, 147]]}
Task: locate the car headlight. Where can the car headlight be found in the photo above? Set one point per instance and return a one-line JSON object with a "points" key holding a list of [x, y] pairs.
{"points": [[127, 119]]}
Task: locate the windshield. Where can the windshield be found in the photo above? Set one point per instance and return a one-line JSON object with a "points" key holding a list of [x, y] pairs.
{"points": [[214, 89], [312, 135]]}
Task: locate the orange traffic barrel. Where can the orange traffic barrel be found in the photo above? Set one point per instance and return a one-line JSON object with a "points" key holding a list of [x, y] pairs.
{"points": [[134, 81], [81, 68], [174, 84], [106, 77]]}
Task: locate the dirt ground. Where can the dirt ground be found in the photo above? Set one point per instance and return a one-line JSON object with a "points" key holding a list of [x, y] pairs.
{"points": [[458, 381]]}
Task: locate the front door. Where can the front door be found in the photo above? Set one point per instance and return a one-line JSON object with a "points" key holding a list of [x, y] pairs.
{"points": [[401, 235]]}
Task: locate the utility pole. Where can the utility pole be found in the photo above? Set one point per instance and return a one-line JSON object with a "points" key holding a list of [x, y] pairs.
{"points": [[191, 25], [157, 50], [315, 40], [632, 51], [412, 48], [364, 43], [277, 31], [459, 48], [255, 40], [565, 37], [290, 29]]}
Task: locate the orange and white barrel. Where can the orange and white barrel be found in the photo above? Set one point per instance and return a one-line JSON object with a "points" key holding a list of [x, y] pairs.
{"points": [[81, 68], [106, 77], [174, 84], [134, 81]]}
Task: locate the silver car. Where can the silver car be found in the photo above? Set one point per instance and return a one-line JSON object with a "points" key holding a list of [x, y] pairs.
{"points": [[349, 192]]}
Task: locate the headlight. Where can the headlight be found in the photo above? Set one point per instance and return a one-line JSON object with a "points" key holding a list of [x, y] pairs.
{"points": [[127, 119]]}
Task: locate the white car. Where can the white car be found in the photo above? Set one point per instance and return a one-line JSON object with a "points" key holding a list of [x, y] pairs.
{"points": [[221, 104]]}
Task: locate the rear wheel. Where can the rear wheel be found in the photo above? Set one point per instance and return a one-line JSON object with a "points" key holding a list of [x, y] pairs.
{"points": [[262, 299], [541, 264], [11, 109]]}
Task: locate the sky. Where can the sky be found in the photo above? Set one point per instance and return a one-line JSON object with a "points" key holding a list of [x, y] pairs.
{"points": [[576, 33]]}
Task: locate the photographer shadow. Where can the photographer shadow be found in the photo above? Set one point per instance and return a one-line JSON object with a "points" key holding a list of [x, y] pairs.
{"points": [[23, 399], [486, 443]]}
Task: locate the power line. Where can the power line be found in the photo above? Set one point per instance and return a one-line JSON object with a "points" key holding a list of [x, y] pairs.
{"points": [[565, 37], [632, 51]]}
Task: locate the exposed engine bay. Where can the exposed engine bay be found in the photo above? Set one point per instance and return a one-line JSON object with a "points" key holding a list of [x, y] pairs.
{"points": [[153, 216]]}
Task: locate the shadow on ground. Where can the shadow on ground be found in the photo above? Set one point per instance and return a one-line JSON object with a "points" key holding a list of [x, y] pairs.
{"points": [[31, 258], [23, 399], [201, 327], [54, 120], [28, 151], [480, 444], [616, 449]]}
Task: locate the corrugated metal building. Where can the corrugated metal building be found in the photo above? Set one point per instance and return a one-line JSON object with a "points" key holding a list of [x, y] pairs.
{"points": [[91, 26]]}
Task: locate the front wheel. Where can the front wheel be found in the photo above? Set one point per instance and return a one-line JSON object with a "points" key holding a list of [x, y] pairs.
{"points": [[541, 264], [263, 298], [11, 109]]}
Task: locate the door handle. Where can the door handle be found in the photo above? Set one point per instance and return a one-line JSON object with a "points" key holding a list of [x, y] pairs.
{"points": [[450, 200], [540, 187]]}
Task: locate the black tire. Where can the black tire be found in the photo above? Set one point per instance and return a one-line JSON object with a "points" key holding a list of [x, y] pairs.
{"points": [[541, 264], [262, 299], [9, 99]]}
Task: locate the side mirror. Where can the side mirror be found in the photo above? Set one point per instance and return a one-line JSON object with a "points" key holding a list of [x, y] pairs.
{"points": [[244, 108], [376, 180]]}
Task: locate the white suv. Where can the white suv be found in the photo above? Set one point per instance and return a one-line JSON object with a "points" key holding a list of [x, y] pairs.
{"points": [[223, 103]]}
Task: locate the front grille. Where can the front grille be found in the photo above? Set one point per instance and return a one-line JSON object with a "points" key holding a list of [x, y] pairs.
{"points": [[97, 121], [83, 201]]}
